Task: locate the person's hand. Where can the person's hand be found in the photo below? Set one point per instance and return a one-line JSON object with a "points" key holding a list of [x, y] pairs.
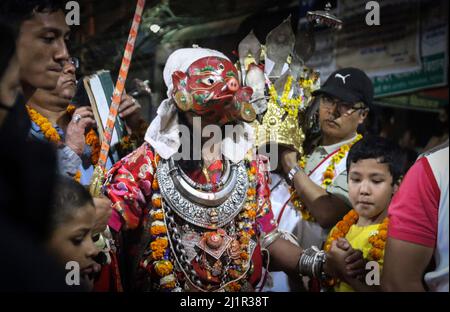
{"points": [[355, 263], [82, 119], [343, 261], [130, 111], [103, 211], [289, 159]]}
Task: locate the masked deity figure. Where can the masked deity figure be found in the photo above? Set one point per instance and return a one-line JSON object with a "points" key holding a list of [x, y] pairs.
{"points": [[194, 224]]}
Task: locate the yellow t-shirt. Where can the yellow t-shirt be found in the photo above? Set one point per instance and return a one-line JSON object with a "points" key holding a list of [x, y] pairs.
{"points": [[358, 237]]}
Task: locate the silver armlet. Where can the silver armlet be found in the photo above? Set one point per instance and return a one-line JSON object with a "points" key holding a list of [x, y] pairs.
{"points": [[270, 238]]}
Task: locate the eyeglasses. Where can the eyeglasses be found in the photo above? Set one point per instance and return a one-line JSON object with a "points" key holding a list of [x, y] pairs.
{"points": [[344, 108], [75, 61]]}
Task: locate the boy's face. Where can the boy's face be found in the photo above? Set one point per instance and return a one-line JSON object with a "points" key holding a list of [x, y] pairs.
{"points": [[72, 240], [42, 50], [370, 187]]}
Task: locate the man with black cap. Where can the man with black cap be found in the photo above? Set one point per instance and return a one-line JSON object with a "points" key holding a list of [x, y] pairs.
{"points": [[320, 178]]}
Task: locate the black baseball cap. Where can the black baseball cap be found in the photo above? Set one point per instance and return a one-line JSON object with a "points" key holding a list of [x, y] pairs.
{"points": [[349, 85]]}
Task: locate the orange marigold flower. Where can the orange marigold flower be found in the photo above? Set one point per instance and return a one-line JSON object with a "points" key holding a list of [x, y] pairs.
{"points": [[155, 184], [156, 202], [252, 170], [163, 268], [244, 240], [251, 214], [158, 216], [233, 287], [158, 229], [343, 226], [244, 255], [46, 127], [328, 174], [383, 235], [169, 285], [347, 217], [378, 244], [353, 215], [251, 192], [159, 243], [376, 253], [70, 109], [158, 254]]}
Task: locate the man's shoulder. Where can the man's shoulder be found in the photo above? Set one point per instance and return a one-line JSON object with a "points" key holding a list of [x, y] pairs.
{"points": [[440, 149]]}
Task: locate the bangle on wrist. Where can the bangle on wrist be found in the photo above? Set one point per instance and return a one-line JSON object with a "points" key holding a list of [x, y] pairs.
{"points": [[311, 262], [292, 173]]}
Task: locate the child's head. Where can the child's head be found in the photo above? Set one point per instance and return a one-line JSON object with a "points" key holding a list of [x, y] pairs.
{"points": [[374, 167], [72, 222]]}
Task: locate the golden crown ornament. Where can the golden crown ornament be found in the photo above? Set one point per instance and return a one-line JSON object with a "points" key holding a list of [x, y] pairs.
{"points": [[279, 100]]}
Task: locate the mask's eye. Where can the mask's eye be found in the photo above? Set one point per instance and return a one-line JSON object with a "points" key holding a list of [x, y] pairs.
{"points": [[221, 66], [209, 81]]}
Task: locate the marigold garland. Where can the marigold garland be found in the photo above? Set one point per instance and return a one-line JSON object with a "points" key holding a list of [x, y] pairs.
{"points": [[291, 106], [52, 135], [327, 177]]}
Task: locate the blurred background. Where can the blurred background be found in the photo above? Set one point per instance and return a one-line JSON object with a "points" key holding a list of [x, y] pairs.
{"points": [[406, 55]]}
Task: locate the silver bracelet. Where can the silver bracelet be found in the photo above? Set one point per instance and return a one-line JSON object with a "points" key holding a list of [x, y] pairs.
{"points": [[270, 238], [311, 262], [292, 173]]}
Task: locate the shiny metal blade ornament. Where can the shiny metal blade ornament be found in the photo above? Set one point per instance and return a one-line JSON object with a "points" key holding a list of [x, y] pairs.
{"points": [[324, 18], [249, 50], [279, 45]]}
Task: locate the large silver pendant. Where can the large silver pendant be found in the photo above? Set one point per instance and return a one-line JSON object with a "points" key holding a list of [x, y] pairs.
{"points": [[209, 210]]}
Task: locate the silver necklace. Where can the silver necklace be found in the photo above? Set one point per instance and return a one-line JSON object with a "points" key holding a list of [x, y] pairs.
{"points": [[209, 210]]}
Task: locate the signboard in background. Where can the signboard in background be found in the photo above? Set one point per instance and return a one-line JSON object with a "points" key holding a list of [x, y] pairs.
{"points": [[407, 52], [433, 101], [434, 51], [391, 47]]}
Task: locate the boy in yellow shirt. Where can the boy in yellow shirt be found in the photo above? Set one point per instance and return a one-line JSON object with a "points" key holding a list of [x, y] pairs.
{"points": [[375, 166]]}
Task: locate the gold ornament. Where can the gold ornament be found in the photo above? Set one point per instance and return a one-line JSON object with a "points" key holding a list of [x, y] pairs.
{"points": [[280, 123]]}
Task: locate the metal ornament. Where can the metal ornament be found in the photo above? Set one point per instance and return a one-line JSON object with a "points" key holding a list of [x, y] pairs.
{"points": [[324, 18], [208, 210]]}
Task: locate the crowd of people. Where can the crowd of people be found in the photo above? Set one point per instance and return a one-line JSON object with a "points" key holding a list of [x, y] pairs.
{"points": [[219, 222]]}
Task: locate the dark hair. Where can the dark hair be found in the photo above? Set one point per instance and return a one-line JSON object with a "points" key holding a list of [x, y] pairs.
{"points": [[15, 12], [69, 197], [8, 44], [384, 150]]}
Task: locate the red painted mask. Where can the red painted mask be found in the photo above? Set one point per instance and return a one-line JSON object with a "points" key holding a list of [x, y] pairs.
{"points": [[210, 88]]}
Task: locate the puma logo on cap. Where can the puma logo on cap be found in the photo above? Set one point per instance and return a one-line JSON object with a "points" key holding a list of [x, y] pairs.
{"points": [[342, 77]]}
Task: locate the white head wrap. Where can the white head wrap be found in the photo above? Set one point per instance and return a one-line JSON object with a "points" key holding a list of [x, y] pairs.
{"points": [[163, 133]]}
